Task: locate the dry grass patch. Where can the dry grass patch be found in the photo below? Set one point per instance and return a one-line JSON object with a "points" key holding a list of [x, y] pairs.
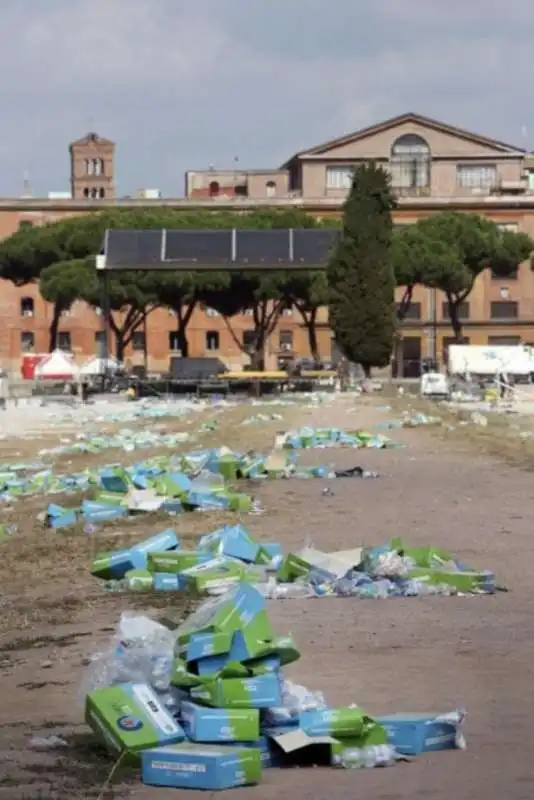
{"points": [[499, 438], [45, 573]]}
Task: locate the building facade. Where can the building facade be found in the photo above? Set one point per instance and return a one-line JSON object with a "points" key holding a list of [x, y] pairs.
{"points": [[433, 166]]}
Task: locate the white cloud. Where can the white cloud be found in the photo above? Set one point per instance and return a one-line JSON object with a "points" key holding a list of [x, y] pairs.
{"points": [[179, 85]]}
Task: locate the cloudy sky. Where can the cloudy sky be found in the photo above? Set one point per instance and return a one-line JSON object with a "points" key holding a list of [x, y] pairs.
{"points": [[181, 85]]}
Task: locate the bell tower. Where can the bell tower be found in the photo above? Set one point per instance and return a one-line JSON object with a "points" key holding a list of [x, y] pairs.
{"points": [[92, 162]]}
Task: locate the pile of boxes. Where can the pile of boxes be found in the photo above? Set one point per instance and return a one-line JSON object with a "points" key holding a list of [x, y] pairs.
{"points": [[229, 718]]}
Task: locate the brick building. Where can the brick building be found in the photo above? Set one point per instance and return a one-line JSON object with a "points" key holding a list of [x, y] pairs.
{"points": [[434, 167]]}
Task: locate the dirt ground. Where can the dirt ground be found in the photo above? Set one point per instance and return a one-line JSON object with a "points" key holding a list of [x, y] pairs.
{"points": [[428, 654]]}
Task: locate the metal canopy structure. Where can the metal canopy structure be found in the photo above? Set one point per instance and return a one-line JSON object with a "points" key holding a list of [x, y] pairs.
{"points": [[213, 250]]}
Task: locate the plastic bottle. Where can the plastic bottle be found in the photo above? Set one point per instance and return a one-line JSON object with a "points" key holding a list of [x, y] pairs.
{"points": [[367, 757]]}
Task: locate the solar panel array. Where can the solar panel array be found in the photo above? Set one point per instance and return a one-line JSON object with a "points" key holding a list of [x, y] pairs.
{"points": [[216, 249]]}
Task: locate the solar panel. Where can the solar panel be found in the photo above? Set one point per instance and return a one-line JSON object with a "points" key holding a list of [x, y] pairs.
{"points": [[133, 248], [199, 247], [269, 248], [312, 247], [215, 249]]}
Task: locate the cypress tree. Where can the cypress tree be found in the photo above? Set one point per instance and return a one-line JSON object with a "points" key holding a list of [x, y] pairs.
{"points": [[360, 273]]}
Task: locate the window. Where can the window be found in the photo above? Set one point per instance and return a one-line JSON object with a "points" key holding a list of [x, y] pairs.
{"points": [[101, 193], [25, 223], [504, 340], [248, 312], [285, 340], [98, 166], [210, 312], [64, 341], [339, 177], [138, 341], [174, 341], [212, 340], [249, 339], [94, 194], [270, 189], [508, 226], [100, 342], [410, 163], [469, 176], [506, 275], [462, 311], [287, 312], [413, 312], [67, 312], [27, 307], [86, 192], [504, 309], [27, 341]]}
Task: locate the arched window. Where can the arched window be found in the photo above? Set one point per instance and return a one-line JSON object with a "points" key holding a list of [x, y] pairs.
{"points": [[410, 163], [270, 189], [94, 194], [101, 193], [214, 189], [86, 192], [96, 166]]}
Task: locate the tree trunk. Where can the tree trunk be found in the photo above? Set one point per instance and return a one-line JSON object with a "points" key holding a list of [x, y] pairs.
{"points": [[309, 318], [120, 346], [54, 326], [405, 303], [456, 325], [183, 318]]}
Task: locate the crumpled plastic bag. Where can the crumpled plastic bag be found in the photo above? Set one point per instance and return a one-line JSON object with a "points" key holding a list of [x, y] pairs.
{"points": [[141, 652], [391, 565]]}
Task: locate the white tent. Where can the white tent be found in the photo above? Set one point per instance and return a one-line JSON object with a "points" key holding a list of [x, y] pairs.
{"points": [[58, 366], [100, 366]]}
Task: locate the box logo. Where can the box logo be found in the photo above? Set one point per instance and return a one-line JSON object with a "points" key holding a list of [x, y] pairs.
{"points": [[129, 723]]}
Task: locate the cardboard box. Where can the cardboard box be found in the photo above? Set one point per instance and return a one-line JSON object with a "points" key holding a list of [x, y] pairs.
{"points": [[232, 541], [201, 645], [294, 747], [413, 734], [260, 692], [130, 717], [234, 611], [195, 766], [336, 722], [203, 724], [211, 574], [176, 560], [460, 580]]}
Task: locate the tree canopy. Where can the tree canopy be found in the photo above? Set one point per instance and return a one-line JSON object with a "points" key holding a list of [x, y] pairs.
{"points": [[29, 254], [360, 273], [449, 251]]}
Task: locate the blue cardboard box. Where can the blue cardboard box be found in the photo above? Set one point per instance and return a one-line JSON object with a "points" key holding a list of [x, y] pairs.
{"points": [[166, 582], [166, 540], [214, 725], [201, 766], [267, 754], [413, 734], [260, 692]]}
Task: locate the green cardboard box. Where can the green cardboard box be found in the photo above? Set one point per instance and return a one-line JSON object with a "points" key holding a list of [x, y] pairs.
{"points": [[291, 568], [211, 574], [466, 582], [335, 722], [234, 611], [174, 561], [262, 691], [130, 718]]}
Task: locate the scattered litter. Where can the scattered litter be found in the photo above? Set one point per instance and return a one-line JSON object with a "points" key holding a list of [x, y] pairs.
{"points": [[44, 743], [204, 705], [230, 556]]}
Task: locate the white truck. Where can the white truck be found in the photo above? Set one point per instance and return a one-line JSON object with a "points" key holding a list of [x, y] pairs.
{"points": [[481, 361]]}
